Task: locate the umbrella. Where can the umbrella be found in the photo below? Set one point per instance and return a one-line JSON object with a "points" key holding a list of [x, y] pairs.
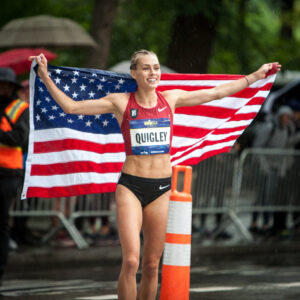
{"points": [[44, 31], [17, 59], [124, 67]]}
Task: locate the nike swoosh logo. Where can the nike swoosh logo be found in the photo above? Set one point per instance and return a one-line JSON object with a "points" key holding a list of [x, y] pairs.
{"points": [[161, 109], [163, 187]]}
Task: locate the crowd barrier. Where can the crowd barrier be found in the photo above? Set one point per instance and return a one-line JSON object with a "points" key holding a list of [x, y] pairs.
{"points": [[267, 180], [258, 180]]}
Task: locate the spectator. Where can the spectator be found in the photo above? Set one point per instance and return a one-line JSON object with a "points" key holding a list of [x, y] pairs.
{"points": [[295, 105], [23, 91], [19, 230], [279, 133], [14, 130]]}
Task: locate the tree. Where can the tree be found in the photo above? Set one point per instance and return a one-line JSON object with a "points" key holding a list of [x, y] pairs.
{"points": [[141, 24], [102, 22], [287, 24], [193, 35], [191, 43]]}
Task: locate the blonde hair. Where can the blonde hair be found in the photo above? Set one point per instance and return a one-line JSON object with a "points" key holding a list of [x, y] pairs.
{"points": [[135, 57]]}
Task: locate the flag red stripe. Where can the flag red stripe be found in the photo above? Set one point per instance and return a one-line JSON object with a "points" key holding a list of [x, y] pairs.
{"points": [[196, 132], [67, 191], [191, 132], [207, 111], [245, 117], [75, 167], [196, 160], [185, 77], [229, 130], [74, 144], [256, 101], [162, 88]]}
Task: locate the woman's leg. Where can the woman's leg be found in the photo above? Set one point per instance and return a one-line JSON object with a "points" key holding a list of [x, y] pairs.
{"points": [[155, 216], [129, 220]]}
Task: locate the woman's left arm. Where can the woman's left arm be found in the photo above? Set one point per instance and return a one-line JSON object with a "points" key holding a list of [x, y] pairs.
{"points": [[191, 98]]}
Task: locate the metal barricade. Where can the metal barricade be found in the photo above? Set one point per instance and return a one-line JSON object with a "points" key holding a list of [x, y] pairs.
{"points": [[267, 181], [93, 205], [213, 185], [260, 180], [51, 207]]}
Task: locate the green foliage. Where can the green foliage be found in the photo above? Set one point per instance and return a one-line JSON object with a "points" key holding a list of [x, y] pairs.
{"points": [[77, 10], [141, 24], [240, 45], [245, 38]]}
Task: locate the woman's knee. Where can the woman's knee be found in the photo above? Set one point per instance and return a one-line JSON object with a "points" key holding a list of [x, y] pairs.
{"points": [[150, 267], [131, 265]]}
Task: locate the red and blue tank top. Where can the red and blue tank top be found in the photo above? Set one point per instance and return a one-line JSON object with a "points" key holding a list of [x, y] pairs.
{"points": [[147, 131]]}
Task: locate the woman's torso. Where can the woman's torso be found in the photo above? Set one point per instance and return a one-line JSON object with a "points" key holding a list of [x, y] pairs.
{"points": [[147, 134]]}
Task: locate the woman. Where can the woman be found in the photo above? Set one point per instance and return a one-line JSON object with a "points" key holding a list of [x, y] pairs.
{"points": [[143, 190]]}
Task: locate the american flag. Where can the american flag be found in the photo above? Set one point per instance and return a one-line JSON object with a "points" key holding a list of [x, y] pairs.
{"points": [[78, 154]]}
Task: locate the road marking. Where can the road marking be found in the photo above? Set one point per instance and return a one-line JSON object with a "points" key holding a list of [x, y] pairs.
{"points": [[104, 297], [214, 289], [286, 285]]}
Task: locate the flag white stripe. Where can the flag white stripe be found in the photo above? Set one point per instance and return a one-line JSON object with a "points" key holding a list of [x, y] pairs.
{"points": [[27, 178], [67, 133], [197, 121], [199, 83], [229, 102], [235, 102], [249, 109], [77, 155], [216, 82], [73, 179], [207, 122], [184, 141], [233, 124]]}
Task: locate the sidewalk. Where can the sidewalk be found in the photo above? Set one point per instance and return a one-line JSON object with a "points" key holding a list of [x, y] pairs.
{"points": [[111, 255]]}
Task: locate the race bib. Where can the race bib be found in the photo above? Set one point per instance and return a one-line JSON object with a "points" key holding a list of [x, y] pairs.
{"points": [[150, 136]]}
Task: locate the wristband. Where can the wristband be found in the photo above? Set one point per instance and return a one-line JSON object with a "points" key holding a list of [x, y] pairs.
{"points": [[247, 80]]}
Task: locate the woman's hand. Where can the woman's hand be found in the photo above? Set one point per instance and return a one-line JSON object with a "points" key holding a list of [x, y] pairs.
{"points": [[267, 69], [42, 63]]}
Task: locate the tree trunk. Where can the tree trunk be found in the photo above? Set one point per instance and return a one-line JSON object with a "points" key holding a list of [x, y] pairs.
{"points": [[102, 23], [242, 53], [286, 22], [191, 44]]}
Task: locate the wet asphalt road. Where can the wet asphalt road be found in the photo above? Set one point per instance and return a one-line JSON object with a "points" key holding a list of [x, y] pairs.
{"points": [[218, 271]]}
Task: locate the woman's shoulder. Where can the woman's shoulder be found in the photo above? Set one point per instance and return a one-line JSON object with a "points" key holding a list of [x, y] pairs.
{"points": [[171, 96], [118, 97], [119, 100], [171, 93]]}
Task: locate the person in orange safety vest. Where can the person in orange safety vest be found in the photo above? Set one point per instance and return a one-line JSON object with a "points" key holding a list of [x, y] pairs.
{"points": [[14, 132]]}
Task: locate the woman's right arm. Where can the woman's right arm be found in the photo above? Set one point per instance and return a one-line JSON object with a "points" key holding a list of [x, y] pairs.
{"points": [[84, 107]]}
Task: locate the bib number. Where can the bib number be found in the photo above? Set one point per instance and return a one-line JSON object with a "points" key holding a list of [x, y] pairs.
{"points": [[150, 136]]}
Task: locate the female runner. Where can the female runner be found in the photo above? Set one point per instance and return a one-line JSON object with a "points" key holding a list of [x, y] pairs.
{"points": [[143, 190]]}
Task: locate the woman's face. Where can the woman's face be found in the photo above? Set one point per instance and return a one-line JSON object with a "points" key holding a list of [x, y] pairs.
{"points": [[147, 73]]}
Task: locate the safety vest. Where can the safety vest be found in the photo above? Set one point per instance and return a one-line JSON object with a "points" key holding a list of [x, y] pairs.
{"points": [[11, 157]]}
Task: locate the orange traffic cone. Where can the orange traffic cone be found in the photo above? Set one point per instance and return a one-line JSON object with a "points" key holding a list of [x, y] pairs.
{"points": [[175, 281]]}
